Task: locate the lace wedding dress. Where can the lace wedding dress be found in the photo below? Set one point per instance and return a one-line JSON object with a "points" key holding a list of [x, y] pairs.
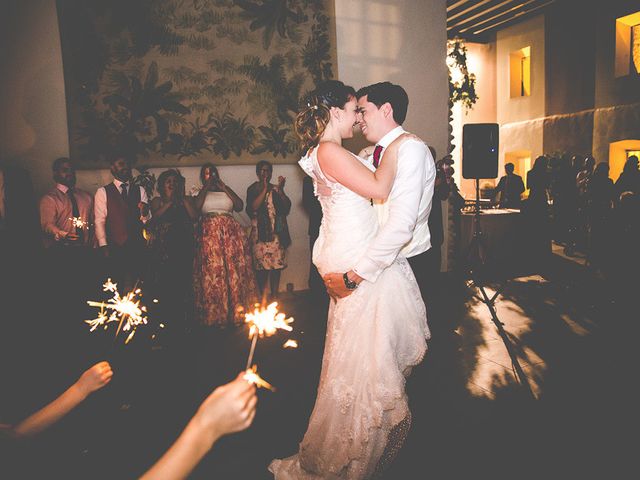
{"points": [[374, 337]]}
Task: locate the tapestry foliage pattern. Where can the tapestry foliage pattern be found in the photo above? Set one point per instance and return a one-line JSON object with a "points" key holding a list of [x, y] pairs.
{"points": [[191, 80]]}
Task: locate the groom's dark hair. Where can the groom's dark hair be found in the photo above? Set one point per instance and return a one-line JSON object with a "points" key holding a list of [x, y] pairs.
{"points": [[387, 92]]}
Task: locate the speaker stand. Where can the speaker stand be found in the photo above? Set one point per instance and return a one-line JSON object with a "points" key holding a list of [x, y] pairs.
{"points": [[476, 258]]}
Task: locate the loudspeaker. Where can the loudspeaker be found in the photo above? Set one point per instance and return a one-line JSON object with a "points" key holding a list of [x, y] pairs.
{"points": [[480, 150]]}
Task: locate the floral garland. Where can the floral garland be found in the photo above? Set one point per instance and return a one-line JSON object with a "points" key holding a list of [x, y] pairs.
{"points": [[462, 84]]}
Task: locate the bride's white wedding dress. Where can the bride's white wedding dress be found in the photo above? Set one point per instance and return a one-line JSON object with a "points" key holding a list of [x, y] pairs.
{"points": [[374, 337]]}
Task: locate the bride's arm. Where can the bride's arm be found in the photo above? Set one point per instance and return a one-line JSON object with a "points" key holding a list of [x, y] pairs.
{"points": [[339, 165]]}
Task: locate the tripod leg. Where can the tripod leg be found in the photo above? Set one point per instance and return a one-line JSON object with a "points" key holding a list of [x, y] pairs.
{"points": [[522, 378]]}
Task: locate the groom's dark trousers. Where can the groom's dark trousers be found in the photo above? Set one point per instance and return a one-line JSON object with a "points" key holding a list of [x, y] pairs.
{"points": [[426, 268]]}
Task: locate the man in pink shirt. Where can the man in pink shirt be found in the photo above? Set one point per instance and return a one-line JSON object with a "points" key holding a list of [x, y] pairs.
{"points": [[66, 224], [66, 212]]}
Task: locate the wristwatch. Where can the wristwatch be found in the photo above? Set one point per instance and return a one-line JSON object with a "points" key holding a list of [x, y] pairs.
{"points": [[348, 283]]}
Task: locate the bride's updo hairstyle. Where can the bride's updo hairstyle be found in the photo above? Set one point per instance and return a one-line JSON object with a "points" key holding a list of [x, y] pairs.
{"points": [[315, 113]]}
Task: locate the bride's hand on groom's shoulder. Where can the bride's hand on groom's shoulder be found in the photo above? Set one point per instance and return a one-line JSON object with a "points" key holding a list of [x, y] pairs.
{"points": [[366, 151]]}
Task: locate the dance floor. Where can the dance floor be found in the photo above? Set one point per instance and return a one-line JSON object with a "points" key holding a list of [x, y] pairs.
{"points": [[558, 407]]}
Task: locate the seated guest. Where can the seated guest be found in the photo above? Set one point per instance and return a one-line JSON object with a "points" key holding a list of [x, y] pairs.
{"points": [[223, 278], [510, 188], [120, 210], [268, 207], [171, 264]]}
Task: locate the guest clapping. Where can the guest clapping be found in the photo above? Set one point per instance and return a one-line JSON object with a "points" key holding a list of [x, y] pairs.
{"points": [[223, 278], [172, 244], [268, 207]]}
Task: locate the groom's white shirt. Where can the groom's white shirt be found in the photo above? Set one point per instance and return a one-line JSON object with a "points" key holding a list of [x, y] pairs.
{"points": [[404, 216]]}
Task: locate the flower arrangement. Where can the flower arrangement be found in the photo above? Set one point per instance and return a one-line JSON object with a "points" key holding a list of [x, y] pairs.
{"points": [[462, 84]]}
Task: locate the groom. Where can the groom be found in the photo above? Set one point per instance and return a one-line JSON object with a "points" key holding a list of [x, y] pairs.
{"points": [[403, 217]]}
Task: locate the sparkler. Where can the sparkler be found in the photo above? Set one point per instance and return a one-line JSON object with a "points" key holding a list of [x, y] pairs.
{"points": [[251, 376], [265, 321], [78, 222], [125, 310], [290, 344]]}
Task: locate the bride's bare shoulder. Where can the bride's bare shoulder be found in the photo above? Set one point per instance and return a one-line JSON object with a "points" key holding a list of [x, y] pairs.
{"points": [[328, 151]]}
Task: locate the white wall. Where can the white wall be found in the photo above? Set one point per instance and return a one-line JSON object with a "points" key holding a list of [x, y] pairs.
{"points": [[529, 33], [33, 128], [403, 41]]}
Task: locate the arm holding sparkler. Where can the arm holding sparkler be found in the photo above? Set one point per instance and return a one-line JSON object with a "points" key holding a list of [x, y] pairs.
{"points": [[48, 221], [229, 409], [91, 380]]}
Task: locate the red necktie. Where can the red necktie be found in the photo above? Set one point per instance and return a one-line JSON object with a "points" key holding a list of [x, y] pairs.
{"points": [[376, 155]]}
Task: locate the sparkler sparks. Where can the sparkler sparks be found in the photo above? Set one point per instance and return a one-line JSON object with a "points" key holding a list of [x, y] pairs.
{"points": [[290, 344], [78, 222], [251, 376], [265, 321], [126, 311]]}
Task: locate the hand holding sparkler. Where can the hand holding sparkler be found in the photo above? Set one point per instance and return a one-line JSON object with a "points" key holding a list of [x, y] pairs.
{"points": [[230, 408], [94, 378], [91, 380]]}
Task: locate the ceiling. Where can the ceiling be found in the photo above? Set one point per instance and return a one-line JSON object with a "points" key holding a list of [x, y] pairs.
{"points": [[478, 20]]}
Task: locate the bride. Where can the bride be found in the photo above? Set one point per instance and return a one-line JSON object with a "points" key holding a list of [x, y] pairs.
{"points": [[376, 334]]}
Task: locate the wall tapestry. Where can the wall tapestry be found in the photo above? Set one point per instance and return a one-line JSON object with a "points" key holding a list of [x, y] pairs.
{"points": [[172, 82]]}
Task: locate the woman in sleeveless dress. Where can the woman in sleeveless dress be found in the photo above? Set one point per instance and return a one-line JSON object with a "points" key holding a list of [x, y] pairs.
{"points": [[223, 279], [376, 334]]}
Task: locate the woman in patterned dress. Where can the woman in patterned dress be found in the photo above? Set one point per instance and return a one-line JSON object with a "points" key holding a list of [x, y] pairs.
{"points": [[223, 278], [268, 206]]}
